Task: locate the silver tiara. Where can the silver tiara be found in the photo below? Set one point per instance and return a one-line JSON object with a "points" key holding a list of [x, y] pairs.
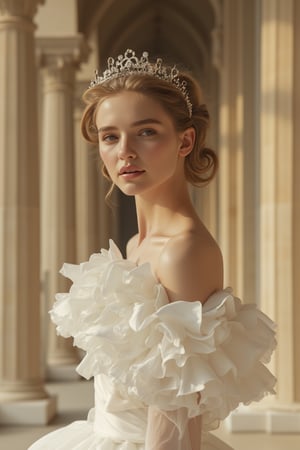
{"points": [[128, 64]]}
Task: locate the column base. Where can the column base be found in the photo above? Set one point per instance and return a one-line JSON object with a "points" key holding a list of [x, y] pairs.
{"points": [[62, 373], [35, 412], [271, 420]]}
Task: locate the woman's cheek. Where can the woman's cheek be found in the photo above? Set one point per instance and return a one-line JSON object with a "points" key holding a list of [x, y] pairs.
{"points": [[106, 161], [105, 156]]}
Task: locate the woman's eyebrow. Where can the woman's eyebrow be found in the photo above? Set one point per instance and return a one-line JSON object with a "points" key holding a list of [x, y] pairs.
{"points": [[134, 124], [108, 128], [145, 121]]}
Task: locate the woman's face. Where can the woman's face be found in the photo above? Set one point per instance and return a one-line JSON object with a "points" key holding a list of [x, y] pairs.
{"points": [[138, 143]]}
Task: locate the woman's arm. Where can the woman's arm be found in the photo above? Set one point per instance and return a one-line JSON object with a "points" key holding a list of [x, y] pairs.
{"points": [[162, 434], [190, 268]]}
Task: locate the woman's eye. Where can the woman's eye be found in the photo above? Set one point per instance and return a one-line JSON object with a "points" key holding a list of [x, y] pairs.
{"points": [[109, 138], [148, 132]]}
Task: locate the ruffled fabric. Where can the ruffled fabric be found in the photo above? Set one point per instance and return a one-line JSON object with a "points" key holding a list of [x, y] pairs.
{"points": [[185, 358]]}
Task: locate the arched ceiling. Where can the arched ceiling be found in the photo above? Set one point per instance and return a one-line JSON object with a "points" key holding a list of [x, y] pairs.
{"points": [[179, 30]]}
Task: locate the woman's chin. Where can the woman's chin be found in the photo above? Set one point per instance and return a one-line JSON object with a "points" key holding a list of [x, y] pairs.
{"points": [[129, 191]]}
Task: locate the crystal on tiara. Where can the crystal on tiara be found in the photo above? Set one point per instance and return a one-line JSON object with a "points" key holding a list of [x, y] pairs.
{"points": [[129, 63]]}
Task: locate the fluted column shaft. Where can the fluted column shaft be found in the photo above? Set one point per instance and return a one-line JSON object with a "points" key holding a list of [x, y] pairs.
{"points": [[231, 147], [94, 217], [19, 203], [92, 213], [276, 205], [58, 219], [279, 215], [20, 366], [59, 60]]}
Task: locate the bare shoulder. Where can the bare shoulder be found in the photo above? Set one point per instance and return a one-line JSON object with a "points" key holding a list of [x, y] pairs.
{"points": [[131, 244], [191, 266]]}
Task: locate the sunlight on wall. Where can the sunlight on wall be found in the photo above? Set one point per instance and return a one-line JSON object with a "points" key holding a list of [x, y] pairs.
{"points": [[276, 197]]}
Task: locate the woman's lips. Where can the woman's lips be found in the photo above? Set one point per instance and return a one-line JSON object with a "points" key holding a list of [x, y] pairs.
{"points": [[131, 175], [130, 172]]}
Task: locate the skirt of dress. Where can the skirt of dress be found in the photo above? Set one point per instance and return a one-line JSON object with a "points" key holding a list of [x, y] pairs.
{"points": [[80, 435]]}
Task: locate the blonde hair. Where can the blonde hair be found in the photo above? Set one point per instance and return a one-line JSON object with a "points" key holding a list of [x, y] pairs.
{"points": [[201, 163]]}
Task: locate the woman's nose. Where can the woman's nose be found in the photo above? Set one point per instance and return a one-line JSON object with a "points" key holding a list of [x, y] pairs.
{"points": [[126, 149]]}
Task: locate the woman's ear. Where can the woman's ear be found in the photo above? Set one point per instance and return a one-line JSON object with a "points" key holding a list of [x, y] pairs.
{"points": [[187, 141]]}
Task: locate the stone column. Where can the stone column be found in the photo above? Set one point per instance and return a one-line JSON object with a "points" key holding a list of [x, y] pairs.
{"points": [[231, 147], [238, 64], [279, 212], [296, 204], [23, 398], [93, 215], [59, 59]]}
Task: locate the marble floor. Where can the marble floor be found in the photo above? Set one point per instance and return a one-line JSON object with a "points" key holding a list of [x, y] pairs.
{"points": [[75, 398]]}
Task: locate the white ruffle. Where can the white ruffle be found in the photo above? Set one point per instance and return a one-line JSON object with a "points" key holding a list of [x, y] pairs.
{"points": [[165, 354]]}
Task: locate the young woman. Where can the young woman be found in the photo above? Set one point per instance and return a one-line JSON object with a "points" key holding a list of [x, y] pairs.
{"points": [[171, 351]]}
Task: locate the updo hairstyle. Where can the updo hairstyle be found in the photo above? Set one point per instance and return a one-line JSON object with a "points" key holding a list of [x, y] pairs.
{"points": [[201, 163]]}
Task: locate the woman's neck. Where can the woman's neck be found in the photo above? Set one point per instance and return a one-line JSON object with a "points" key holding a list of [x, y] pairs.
{"points": [[164, 213]]}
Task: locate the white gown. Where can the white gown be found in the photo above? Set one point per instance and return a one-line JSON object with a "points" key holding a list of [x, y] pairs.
{"points": [[156, 364]]}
